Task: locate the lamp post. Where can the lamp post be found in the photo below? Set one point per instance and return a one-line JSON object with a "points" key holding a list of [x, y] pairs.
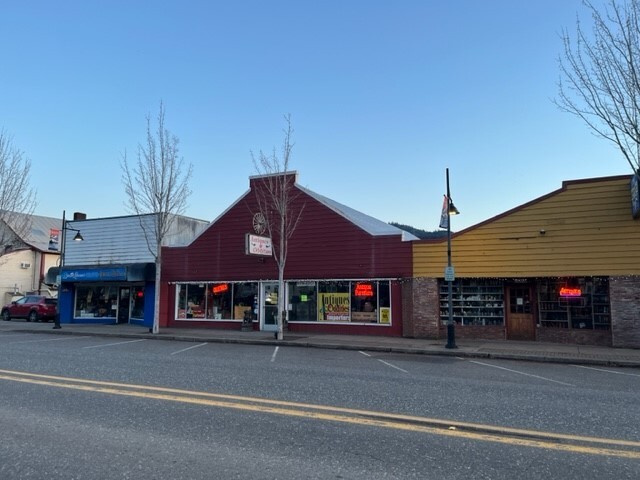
{"points": [[77, 238], [449, 272]]}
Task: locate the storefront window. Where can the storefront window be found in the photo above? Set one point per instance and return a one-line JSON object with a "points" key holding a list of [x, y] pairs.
{"points": [[474, 302], [575, 303], [303, 301], [182, 301], [191, 301], [245, 297], [219, 299], [334, 301], [384, 302], [366, 301], [96, 301]]}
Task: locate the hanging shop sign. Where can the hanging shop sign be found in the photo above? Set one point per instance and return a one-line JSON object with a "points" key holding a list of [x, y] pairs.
{"points": [[257, 245]]}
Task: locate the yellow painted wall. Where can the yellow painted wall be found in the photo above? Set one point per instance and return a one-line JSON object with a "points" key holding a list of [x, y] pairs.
{"points": [[588, 231]]}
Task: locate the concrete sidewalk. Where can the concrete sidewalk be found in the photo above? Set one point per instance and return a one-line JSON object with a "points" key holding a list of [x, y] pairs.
{"points": [[532, 351]]}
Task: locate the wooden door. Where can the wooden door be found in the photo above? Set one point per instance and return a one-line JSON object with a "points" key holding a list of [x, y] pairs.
{"points": [[519, 313]]}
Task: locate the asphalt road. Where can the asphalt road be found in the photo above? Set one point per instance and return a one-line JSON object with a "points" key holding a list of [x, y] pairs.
{"points": [[75, 407]]}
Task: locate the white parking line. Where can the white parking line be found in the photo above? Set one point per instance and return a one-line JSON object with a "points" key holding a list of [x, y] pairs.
{"points": [[522, 373], [70, 337], [118, 343], [275, 352], [189, 348], [382, 361], [607, 371], [392, 366]]}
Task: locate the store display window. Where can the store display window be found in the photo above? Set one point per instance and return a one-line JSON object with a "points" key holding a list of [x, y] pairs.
{"points": [[216, 301], [363, 301], [303, 301], [334, 301], [219, 300], [574, 303], [245, 298], [356, 301], [96, 301], [474, 302]]}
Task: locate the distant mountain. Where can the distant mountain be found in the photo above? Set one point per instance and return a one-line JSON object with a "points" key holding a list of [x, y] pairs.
{"points": [[421, 234]]}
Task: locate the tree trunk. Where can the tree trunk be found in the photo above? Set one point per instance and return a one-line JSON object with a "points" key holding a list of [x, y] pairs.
{"points": [[156, 300]]}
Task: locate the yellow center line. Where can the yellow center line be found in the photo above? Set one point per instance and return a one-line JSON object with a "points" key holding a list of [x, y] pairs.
{"points": [[472, 431]]}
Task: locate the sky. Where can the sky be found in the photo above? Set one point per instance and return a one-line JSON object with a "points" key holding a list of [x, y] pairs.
{"points": [[384, 96]]}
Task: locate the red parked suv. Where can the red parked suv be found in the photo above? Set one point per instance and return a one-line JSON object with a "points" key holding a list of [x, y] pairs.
{"points": [[32, 307]]}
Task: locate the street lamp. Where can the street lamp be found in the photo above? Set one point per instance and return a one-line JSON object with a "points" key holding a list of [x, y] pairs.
{"points": [[449, 272], [77, 238]]}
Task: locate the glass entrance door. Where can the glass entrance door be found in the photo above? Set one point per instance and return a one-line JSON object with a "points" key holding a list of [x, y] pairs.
{"points": [[269, 306], [124, 305]]}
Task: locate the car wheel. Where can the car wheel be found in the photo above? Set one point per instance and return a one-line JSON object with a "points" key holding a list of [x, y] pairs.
{"points": [[5, 315], [33, 316]]}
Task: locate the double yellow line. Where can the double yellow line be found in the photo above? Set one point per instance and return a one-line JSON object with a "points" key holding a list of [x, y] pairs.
{"points": [[464, 430]]}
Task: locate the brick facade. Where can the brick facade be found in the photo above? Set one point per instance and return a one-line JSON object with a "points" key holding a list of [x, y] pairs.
{"points": [[422, 320], [625, 311], [421, 317], [574, 336]]}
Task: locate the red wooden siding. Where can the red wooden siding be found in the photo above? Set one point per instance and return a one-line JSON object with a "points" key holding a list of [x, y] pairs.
{"points": [[324, 245]]}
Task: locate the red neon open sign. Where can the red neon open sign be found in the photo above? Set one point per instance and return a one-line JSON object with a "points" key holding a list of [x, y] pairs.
{"points": [[223, 287], [570, 292]]}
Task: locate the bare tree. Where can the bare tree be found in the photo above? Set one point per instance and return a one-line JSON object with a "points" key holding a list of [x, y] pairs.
{"points": [[17, 198], [276, 195], [600, 80], [157, 184]]}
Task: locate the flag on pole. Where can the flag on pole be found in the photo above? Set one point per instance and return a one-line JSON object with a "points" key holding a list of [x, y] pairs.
{"points": [[444, 217]]}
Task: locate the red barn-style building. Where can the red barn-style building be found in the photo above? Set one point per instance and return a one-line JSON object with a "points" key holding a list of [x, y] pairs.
{"points": [[345, 271]]}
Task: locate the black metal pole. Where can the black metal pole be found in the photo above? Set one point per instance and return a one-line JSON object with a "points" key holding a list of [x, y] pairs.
{"points": [[451, 333], [62, 240]]}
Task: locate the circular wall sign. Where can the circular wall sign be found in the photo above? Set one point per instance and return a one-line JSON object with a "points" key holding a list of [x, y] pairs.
{"points": [[259, 223]]}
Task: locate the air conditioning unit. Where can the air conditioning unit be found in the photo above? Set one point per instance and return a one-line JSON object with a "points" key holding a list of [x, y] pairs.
{"points": [[25, 265]]}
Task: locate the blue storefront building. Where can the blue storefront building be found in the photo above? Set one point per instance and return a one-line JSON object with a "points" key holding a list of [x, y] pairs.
{"points": [[109, 276]]}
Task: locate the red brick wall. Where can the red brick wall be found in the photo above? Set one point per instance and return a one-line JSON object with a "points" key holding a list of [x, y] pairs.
{"points": [[407, 307], [423, 318], [625, 311], [574, 336], [479, 332]]}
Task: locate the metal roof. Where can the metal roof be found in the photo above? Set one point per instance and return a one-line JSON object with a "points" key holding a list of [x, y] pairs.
{"points": [[40, 231], [371, 225]]}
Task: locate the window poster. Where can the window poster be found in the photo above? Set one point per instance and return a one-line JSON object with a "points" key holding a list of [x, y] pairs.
{"points": [[333, 307]]}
